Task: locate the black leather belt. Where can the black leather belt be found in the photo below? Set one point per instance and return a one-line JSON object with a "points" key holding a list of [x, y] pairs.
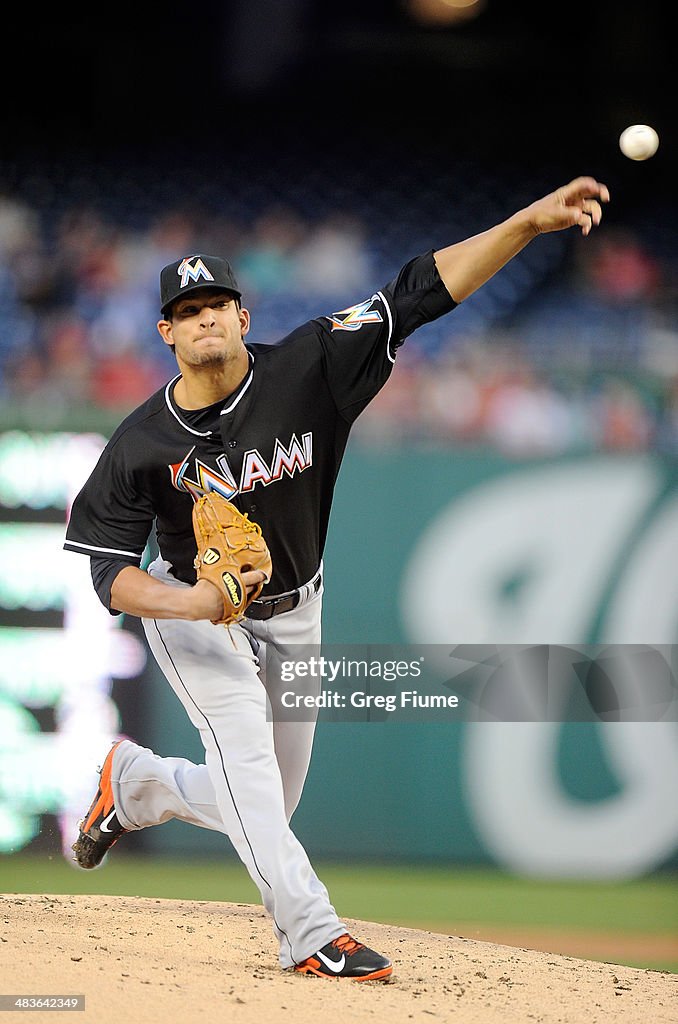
{"points": [[267, 607]]}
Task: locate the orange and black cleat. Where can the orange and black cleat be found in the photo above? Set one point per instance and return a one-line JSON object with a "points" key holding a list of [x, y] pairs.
{"points": [[346, 958], [100, 828]]}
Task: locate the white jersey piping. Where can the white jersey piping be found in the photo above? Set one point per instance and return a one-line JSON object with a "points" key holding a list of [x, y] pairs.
{"points": [[390, 326], [103, 551], [244, 388], [199, 433]]}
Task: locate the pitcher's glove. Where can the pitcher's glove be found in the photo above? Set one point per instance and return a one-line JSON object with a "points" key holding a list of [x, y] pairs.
{"points": [[229, 544]]}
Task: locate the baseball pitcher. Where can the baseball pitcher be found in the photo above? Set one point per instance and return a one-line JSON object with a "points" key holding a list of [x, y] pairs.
{"points": [[233, 464]]}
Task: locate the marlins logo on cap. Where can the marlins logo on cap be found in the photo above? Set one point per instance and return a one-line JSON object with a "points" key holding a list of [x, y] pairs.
{"points": [[191, 273], [192, 268]]}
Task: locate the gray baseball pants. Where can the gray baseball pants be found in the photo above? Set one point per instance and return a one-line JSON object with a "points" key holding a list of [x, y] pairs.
{"points": [[254, 769]]}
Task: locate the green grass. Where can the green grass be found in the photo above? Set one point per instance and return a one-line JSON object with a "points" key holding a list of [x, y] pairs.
{"points": [[413, 896]]}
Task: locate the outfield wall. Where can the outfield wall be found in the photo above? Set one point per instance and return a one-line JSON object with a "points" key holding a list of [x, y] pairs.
{"points": [[439, 547]]}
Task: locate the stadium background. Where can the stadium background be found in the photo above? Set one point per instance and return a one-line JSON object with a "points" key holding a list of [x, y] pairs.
{"points": [[320, 146]]}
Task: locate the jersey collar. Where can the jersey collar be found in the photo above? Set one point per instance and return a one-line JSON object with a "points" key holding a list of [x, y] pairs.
{"points": [[230, 402]]}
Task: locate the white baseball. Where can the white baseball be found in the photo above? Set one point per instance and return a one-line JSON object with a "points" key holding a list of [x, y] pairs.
{"points": [[639, 142]]}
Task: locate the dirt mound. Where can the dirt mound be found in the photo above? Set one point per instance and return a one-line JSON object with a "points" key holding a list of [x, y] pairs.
{"points": [[170, 961]]}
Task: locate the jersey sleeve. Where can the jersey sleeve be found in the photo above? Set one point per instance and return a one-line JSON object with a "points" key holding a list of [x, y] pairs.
{"points": [[361, 341], [111, 516], [104, 571]]}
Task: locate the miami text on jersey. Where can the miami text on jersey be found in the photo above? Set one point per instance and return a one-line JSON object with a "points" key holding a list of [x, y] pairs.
{"points": [[354, 317], [297, 456], [286, 460]]}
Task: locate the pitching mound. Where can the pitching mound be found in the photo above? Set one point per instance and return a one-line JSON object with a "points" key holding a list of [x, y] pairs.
{"points": [[170, 961]]}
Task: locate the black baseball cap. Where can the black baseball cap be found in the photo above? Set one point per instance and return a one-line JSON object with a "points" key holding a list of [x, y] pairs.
{"points": [[191, 274]]}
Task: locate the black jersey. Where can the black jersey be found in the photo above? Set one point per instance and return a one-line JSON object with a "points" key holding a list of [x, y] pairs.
{"points": [[274, 447]]}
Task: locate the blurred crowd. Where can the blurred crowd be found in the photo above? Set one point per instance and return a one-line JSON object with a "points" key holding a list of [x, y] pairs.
{"points": [[589, 362], [574, 346], [79, 303]]}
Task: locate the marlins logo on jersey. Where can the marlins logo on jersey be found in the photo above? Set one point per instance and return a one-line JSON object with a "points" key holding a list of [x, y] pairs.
{"points": [[353, 318], [206, 478]]}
